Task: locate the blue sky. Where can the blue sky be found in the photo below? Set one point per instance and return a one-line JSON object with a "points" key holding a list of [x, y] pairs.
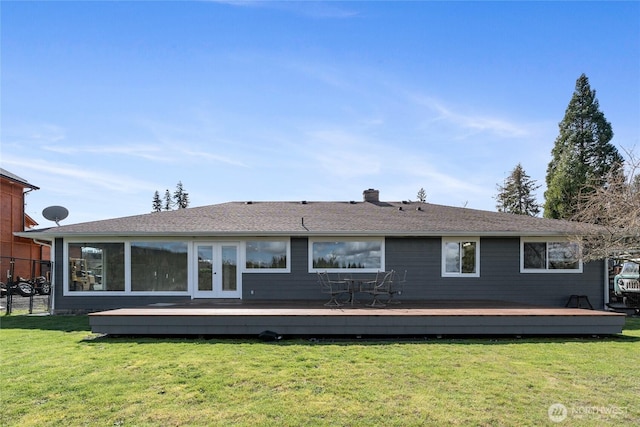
{"points": [[103, 103]]}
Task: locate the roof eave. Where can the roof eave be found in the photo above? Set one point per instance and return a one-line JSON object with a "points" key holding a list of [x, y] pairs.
{"points": [[50, 235]]}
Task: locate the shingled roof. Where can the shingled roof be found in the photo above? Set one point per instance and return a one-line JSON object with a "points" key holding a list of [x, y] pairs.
{"points": [[15, 178], [318, 218]]}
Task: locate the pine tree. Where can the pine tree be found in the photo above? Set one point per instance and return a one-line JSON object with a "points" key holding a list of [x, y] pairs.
{"points": [[515, 196], [422, 195], [167, 201], [582, 156], [157, 203], [180, 197]]}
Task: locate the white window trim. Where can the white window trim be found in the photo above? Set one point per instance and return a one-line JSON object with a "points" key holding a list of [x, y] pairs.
{"points": [[65, 269], [443, 260], [381, 240], [243, 256], [546, 270], [190, 256], [127, 268]]}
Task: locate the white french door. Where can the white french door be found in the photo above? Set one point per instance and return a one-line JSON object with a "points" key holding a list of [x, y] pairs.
{"points": [[216, 270]]}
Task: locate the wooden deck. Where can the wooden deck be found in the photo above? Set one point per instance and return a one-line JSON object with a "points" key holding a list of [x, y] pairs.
{"points": [[313, 319]]}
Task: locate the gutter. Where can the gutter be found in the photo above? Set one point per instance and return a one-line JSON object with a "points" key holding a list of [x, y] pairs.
{"points": [[290, 233], [41, 243]]}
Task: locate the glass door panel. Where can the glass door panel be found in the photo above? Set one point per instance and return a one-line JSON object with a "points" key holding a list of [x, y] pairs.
{"points": [[216, 271], [229, 268], [205, 268]]}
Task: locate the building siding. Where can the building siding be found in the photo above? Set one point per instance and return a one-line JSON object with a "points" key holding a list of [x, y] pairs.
{"points": [[26, 254], [500, 279]]}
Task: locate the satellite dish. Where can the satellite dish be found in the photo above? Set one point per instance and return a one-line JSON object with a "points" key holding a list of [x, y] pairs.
{"points": [[55, 213]]}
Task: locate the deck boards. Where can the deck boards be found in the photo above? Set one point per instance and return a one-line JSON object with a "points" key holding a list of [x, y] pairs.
{"points": [[312, 318]]}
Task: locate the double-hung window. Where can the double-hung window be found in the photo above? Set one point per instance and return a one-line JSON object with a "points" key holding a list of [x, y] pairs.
{"points": [[546, 256], [460, 257]]}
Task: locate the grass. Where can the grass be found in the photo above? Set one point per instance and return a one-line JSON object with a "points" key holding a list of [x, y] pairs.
{"points": [[56, 372]]}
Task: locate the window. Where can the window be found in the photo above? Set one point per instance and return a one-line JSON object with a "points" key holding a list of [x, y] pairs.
{"points": [[363, 255], [266, 255], [96, 267], [460, 257], [159, 266], [540, 256]]}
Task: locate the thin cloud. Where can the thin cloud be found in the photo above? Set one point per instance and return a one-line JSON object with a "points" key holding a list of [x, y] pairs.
{"points": [[79, 174], [472, 123], [33, 133], [147, 152], [213, 157], [342, 154], [310, 9], [169, 153]]}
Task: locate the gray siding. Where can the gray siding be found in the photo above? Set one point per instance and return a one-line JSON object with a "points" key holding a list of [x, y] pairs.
{"points": [[500, 279], [297, 285]]}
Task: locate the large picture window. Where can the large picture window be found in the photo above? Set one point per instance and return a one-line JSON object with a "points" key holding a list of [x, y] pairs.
{"points": [[346, 255], [159, 266], [96, 267], [266, 255], [539, 256], [461, 257]]}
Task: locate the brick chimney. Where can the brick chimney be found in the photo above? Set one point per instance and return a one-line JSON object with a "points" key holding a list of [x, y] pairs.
{"points": [[371, 195]]}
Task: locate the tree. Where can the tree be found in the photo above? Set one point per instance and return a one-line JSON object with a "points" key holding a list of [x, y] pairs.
{"points": [[515, 196], [422, 195], [167, 201], [582, 157], [615, 210], [180, 197], [157, 203]]}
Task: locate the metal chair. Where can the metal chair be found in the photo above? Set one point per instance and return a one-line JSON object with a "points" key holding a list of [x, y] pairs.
{"points": [[334, 288], [380, 287], [396, 287]]}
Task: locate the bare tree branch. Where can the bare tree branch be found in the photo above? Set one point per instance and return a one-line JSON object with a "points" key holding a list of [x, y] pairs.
{"points": [[615, 209]]}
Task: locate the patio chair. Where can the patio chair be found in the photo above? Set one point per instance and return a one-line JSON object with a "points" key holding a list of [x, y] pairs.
{"points": [[334, 288], [396, 287], [380, 287]]}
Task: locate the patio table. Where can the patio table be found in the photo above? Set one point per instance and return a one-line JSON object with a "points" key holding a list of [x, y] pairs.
{"points": [[355, 286]]}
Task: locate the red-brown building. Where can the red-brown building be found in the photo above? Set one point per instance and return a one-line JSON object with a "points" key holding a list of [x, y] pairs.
{"points": [[29, 258]]}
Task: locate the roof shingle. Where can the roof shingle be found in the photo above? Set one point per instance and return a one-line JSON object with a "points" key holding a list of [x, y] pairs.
{"points": [[320, 218]]}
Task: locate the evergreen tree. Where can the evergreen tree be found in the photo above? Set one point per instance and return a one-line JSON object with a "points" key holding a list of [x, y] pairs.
{"points": [[582, 157], [167, 201], [157, 203], [181, 197], [422, 195], [516, 195]]}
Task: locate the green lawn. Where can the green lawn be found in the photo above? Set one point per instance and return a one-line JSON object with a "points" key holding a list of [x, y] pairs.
{"points": [[56, 372]]}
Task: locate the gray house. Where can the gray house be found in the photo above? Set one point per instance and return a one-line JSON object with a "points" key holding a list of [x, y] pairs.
{"points": [[272, 251]]}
